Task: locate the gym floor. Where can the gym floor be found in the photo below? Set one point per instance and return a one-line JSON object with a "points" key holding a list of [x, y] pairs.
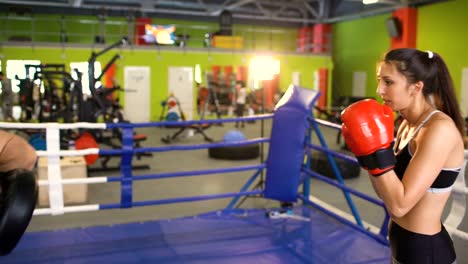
{"points": [[207, 184]]}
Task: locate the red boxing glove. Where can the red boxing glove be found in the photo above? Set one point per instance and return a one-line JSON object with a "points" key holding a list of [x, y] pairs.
{"points": [[368, 132]]}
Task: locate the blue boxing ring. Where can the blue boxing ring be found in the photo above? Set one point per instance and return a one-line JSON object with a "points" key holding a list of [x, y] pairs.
{"points": [[298, 231]]}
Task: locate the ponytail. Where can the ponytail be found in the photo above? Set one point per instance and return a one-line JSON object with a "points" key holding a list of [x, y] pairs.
{"points": [[430, 68], [444, 92]]}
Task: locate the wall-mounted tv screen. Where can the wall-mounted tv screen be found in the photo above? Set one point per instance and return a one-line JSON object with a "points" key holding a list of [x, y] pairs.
{"points": [[159, 34]]}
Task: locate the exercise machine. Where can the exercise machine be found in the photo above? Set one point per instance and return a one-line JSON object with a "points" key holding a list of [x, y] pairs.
{"points": [[172, 111]]}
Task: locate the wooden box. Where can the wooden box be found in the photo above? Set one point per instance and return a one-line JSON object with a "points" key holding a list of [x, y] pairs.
{"points": [[71, 168]]}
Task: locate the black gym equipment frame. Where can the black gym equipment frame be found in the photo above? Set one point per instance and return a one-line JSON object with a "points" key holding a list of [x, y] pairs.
{"points": [[197, 128], [93, 80], [103, 107]]}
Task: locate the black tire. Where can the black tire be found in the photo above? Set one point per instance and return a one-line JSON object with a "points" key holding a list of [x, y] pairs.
{"points": [[321, 164], [251, 151]]}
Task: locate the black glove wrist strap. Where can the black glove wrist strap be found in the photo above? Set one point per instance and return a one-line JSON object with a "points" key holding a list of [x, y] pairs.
{"points": [[381, 159]]}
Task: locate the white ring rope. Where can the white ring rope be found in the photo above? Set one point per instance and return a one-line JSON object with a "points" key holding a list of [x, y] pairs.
{"points": [[81, 152], [76, 181], [53, 154], [458, 208], [460, 190], [458, 233], [53, 125], [68, 209]]}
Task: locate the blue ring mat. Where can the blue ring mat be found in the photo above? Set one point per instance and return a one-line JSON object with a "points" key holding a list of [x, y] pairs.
{"points": [[237, 236]]}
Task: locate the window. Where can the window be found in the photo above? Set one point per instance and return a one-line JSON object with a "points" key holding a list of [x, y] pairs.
{"points": [[83, 68], [17, 68], [198, 75]]}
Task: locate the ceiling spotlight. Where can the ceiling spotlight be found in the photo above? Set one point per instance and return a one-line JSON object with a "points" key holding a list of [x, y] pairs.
{"points": [[367, 2]]}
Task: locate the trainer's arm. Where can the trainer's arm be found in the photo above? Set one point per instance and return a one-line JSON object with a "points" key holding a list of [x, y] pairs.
{"points": [[15, 153]]}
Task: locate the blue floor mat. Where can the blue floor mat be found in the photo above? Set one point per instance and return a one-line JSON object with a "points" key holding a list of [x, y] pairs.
{"points": [[241, 236]]}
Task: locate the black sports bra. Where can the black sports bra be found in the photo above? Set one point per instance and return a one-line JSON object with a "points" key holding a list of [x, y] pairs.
{"points": [[444, 180], [446, 177]]}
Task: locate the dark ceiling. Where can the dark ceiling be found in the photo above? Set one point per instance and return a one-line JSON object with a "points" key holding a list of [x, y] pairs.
{"points": [[272, 12]]}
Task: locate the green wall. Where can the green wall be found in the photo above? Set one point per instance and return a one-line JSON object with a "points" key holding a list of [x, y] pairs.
{"points": [[47, 28], [359, 44], [442, 28], [82, 29], [159, 61]]}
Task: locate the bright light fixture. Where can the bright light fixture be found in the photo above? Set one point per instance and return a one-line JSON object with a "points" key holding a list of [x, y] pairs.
{"points": [[367, 2], [198, 74], [263, 67]]}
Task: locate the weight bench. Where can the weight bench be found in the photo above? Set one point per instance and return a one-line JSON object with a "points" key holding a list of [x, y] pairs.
{"points": [[137, 139], [198, 128]]}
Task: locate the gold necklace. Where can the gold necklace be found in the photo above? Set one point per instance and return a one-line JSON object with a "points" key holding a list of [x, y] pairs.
{"points": [[408, 131], [418, 121]]}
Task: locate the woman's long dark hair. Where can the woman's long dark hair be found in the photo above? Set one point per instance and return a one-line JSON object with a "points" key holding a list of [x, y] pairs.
{"points": [[431, 69]]}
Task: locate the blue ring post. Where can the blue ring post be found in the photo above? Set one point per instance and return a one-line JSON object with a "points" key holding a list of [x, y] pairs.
{"points": [[338, 174], [306, 184], [126, 198], [384, 227], [244, 188]]}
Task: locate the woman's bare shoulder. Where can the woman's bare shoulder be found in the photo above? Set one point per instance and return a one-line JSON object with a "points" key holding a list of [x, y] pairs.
{"points": [[442, 125], [441, 135]]}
